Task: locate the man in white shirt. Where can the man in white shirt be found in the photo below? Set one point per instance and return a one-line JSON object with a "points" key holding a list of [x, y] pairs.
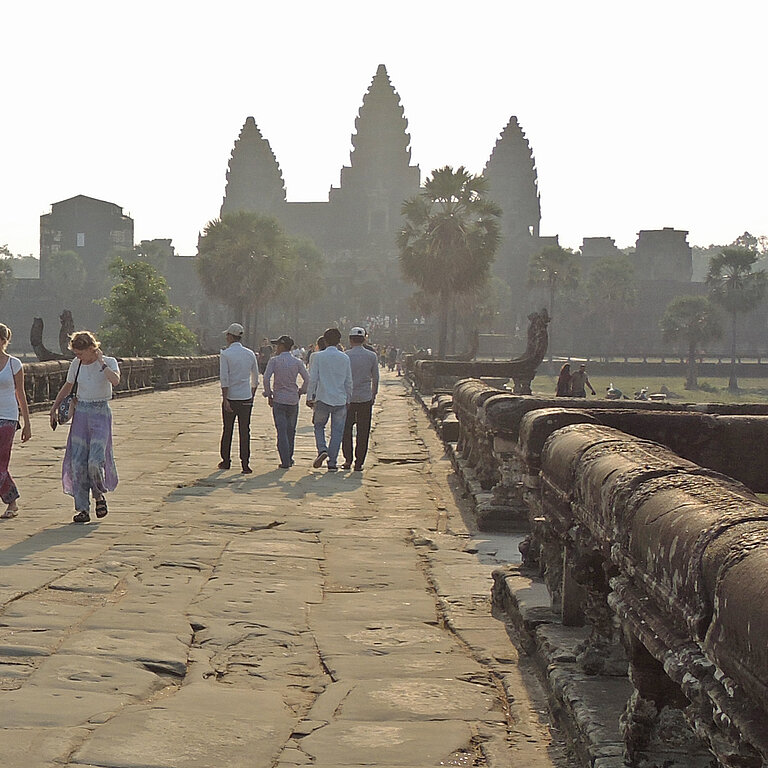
{"points": [[330, 389], [239, 376]]}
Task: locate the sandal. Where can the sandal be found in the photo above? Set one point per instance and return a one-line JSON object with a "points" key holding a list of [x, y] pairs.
{"points": [[9, 513], [82, 517], [101, 507]]}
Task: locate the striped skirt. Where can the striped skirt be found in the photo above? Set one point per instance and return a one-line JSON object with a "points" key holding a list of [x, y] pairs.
{"points": [[89, 465], [8, 491]]}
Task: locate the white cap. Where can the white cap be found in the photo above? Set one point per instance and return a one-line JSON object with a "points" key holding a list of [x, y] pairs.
{"points": [[235, 330], [357, 331]]}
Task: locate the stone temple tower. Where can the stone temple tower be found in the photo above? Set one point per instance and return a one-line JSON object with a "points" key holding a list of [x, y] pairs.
{"points": [[513, 185], [254, 179], [366, 205]]}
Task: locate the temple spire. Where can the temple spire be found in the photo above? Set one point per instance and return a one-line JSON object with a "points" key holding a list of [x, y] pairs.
{"points": [[254, 180], [513, 183], [380, 175]]}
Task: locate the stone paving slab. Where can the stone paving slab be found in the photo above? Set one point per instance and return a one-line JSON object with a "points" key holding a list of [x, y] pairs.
{"points": [[282, 618]]}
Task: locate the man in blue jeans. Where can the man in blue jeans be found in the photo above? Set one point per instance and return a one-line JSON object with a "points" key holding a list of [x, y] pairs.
{"points": [[283, 395], [330, 389]]}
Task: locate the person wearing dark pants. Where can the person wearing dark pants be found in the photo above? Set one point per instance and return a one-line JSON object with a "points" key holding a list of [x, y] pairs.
{"points": [[239, 377], [365, 387], [283, 393]]}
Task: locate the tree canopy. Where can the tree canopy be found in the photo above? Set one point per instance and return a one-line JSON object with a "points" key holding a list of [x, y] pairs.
{"points": [[449, 239], [244, 258], [139, 319], [693, 320]]}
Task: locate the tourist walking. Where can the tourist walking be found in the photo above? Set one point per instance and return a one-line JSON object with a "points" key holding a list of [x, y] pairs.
{"points": [[265, 352], [563, 386], [283, 395], [89, 463], [13, 402], [580, 381], [365, 386], [239, 377], [330, 389]]}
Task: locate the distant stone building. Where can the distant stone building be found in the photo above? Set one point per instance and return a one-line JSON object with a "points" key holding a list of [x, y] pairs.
{"points": [[91, 228], [663, 254]]}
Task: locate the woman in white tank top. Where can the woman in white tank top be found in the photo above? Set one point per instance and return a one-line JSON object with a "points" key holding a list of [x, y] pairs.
{"points": [[13, 401]]}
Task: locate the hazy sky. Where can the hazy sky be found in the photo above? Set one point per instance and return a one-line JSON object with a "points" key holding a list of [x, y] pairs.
{"points": [[641, 115]]}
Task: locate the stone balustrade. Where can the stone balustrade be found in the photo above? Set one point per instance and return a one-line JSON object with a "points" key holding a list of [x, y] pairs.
{"points": [[641, 538], [669, 564], [42, 381]]}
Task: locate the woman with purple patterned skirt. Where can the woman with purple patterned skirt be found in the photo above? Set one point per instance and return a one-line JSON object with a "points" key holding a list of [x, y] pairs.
{"points": [[89, 464]]}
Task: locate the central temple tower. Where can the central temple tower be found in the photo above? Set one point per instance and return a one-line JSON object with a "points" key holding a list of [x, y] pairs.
{"points": [[366, 205]]}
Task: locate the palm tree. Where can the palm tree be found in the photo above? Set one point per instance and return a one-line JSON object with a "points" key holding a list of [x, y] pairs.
{"points": [[449, 239], [737, 289], [694, 320], [239, 261], [555, 269]]}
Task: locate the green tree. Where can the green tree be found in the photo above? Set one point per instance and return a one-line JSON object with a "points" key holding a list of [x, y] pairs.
{"points": [[139, 319], [240, 260], [556, 270], [737, 289], [449, 239], [611, 291], [300, 280], [693, 320], [64, 277]]}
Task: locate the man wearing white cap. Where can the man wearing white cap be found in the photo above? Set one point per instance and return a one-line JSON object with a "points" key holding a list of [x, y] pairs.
{"points": [[365, 387], [239, 375]]}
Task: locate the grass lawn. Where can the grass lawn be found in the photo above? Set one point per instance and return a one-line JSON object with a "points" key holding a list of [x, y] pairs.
{"points": [[710, 390]]}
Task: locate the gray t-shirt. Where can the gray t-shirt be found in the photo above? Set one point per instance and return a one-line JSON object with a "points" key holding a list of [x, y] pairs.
{"points": [[365, 374]]}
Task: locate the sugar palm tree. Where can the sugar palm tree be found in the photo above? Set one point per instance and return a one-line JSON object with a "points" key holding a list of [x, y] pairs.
{"points": [[737, 289], [449, 239], [556, 270], [695, 321], [239, 261]]}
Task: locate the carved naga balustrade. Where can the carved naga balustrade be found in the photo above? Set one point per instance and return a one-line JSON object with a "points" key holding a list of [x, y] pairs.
{"points": [[430, 375]]}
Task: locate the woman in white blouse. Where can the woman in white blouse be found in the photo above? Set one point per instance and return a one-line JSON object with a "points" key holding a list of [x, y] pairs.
{"points": [[13, 401], [89, 464]]}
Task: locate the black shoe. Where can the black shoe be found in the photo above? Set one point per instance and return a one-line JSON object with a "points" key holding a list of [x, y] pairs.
{"points": [[224, 465], [346, 465], [358, 467], [82, 517], [320, 460], [284, 466], [247, 470], [101, 507], [332, 468]]}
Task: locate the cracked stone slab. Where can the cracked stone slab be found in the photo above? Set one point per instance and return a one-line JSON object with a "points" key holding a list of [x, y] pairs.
{"points": [[425, 663], [39, 747], [200, 726], [419, 699], [350, 743], [153, 649], [31, 707], [89, 674], [86, 580]]}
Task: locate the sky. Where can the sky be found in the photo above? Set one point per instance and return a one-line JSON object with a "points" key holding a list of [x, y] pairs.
{"points": [[640, 115]]}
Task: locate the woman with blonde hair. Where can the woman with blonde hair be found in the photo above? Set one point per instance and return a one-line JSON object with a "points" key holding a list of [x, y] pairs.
{"points": [[13, 400], [89, 465]]}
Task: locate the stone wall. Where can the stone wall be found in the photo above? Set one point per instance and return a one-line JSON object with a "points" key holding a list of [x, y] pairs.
{"points": [[42, 381]]}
